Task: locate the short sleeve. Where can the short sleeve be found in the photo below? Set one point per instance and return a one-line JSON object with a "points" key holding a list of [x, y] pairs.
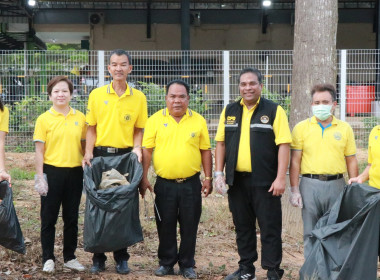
{"points": [[90, 112], [143, 113], [40, 130], [149, 139], [204, 141], [350, 146], [4, 120], [297, 138], [220, 132], [281, 127], [370, 143]]}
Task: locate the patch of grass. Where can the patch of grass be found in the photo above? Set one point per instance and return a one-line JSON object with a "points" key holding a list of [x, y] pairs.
{"points": [[20, 174]]}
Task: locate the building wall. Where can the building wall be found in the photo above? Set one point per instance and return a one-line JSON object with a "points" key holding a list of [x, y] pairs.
{"points": [[208, 36]]}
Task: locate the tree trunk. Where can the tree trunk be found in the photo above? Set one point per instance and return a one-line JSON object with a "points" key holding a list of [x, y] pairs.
{"points": [[314, 57]]}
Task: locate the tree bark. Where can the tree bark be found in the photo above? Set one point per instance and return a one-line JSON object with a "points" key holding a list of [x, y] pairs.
{"points": [[314, 57]]}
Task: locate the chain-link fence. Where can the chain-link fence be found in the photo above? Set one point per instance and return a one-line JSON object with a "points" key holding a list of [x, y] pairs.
{"points": [[212, 76]]}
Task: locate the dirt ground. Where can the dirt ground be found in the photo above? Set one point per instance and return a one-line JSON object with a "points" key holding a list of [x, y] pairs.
{"points": [[216, 254]]}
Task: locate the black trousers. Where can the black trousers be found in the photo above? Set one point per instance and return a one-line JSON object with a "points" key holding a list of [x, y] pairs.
{"points": [[65, 188], [248, 203], [122, 254], [180, 202]]}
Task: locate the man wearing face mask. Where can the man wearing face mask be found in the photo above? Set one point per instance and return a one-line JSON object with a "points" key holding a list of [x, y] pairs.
{"points": [[322, 150]]}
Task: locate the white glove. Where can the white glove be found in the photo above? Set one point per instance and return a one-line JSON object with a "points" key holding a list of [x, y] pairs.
{"points": [[295, 198], [220, 184], [40, 184]]}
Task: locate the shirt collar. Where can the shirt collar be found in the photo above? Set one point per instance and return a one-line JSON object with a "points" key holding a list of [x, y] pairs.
{"points": [[55, 113], [165, 112], [254, 106], [111, 90], [334, 121]]}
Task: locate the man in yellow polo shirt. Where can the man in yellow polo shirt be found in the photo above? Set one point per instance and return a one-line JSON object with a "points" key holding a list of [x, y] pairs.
{"points": [[116, 116], [253, 140], [322, 150], [181, 145]]}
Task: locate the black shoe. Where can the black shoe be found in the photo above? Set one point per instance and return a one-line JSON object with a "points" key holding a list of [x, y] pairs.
{"points": [[241, 274], [274, 274], [97, 266], [188, 272], [122, 267], [164, 270]]}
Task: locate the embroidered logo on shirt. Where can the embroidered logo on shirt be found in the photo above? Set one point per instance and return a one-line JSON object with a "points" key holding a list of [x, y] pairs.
{"points": [[230, 120], [127, 117], [264, 119], [376, 137], [337, 135], [165, 124], [76, 123], [192, 134], [106, 102]]}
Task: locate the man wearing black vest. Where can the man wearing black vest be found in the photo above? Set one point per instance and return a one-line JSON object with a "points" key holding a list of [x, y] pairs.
{"points": [[253, 141]]}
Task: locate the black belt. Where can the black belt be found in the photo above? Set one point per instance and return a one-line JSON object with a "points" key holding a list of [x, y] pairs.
{"points": [[112, 150], [243, 174], [179, 180], [323, 177]]}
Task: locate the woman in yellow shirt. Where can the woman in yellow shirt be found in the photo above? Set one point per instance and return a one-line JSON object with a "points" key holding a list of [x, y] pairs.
{"points": [[59, 138], [372, 171]]}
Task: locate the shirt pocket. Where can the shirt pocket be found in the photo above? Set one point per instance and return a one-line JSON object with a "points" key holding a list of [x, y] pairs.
{"points": [[127, 116]]}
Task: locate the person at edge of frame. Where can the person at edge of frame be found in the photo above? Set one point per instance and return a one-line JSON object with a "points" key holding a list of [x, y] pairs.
{"points": [[59, 137], [322, 150], [372, 170], [253, 140], [116, 116], [4, 129], [181, 144]]}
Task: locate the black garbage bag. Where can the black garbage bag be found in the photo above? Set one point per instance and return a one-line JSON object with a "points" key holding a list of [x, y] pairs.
{"points": [[346, 239], [112, 215], [10, 232]]}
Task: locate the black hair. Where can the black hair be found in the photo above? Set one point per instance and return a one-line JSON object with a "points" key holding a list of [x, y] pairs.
{"points": [[254, 71], [324, 87], [120, 52], [179, 82]]}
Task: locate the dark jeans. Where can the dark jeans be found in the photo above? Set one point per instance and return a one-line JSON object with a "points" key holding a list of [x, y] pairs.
{"points": [[65, 188], [248, 203], [122, 254], [183, 203]]}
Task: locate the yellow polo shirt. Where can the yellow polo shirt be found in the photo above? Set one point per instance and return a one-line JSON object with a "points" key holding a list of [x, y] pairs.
{"points": [[323, 153], [374, 157], [280, 128], [4, 120], [116, 117], [177, 145], [62, 136]]}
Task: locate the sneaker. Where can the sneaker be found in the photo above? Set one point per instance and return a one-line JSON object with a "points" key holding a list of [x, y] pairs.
{"points": [[187, 272], [241, 274], [74, 265], [274, 274], [164, 270], [49, 266]]}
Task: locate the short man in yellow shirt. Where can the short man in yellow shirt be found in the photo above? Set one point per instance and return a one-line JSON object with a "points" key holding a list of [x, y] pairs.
{"points": [[181, 145], [116, 116], [323, 148], [253, 140]]}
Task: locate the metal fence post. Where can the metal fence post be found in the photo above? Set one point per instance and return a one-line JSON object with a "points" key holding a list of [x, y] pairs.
{"points": [[100, 68], [343, 81], [226, 78]]}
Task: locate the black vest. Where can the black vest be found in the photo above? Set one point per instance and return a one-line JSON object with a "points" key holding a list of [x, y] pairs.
{"points": [[264, 151]]}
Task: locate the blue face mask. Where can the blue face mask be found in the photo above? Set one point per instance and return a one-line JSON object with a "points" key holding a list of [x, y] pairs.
{"points": [[322, 112]]}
